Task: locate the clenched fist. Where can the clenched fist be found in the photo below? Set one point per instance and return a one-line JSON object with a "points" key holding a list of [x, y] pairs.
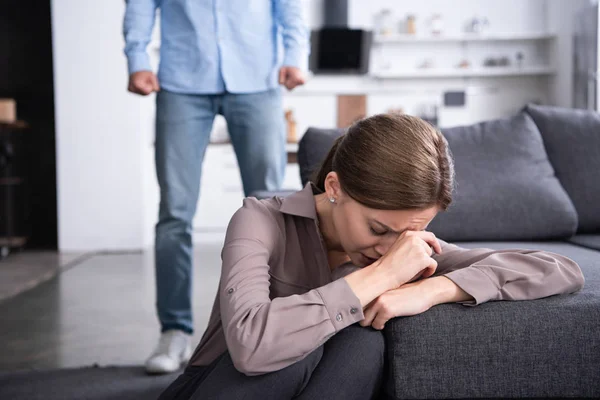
{"points": [[143, 82], [290, 77]]}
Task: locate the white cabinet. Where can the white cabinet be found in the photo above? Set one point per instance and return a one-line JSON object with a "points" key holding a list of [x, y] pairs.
{"points": [[221, 191]]}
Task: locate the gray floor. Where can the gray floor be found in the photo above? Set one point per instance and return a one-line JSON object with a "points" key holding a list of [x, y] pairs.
{"points": [[98, 311], [22, 271]]}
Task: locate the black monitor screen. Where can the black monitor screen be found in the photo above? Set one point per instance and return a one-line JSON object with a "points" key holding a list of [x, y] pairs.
{"points": [[340, 49]]}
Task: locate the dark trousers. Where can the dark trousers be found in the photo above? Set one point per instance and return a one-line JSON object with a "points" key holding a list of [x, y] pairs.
{"points": [[348, 366]]}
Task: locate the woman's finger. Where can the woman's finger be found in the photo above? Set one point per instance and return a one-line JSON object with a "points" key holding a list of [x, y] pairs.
{"points": [[370, 313], [425, 272], [379, 321], [427, 247], [430, 270], [430, 238]]}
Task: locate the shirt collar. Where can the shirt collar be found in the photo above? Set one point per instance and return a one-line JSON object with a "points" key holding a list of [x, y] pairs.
{"points": [[301, 203]]}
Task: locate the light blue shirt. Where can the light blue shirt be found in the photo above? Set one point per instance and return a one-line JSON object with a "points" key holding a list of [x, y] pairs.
{"points": [[213, 46]]}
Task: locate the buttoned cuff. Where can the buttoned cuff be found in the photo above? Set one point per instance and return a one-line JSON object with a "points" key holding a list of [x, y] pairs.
{"points": [[341, 303], [138, 61], [474, 282], [296, 57]]}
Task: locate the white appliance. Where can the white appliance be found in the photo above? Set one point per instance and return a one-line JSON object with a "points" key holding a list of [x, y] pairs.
{"points": [[586, 93]]}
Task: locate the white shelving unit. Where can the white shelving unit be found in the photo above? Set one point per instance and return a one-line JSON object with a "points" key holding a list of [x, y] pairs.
{"points": [[400, 56], [497, 37], [466, 72]]}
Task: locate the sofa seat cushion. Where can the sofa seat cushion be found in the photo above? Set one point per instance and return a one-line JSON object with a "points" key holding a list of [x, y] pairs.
{"points": [[572, 141], [505, 186], [546, 348], [591, 241]]}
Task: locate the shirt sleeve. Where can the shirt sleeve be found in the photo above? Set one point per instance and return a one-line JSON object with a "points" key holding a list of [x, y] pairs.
{"points": [[265, 335], [289, 16], [137, 30], [487, 274]]}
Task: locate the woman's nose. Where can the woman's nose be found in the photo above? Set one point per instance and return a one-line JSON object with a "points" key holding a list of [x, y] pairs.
{"points": [[384, 244], [382, 248]]}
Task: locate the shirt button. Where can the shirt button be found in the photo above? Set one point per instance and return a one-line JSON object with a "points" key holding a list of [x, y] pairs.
{"points": [[338, 317], [230, 291], [353, 310]]}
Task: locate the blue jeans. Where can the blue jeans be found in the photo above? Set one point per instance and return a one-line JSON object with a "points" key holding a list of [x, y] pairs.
{"points": [[183, 124]]}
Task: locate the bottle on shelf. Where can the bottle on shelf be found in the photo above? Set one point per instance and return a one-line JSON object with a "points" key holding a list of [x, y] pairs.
{"points": [[411, 24], [291, 126]]}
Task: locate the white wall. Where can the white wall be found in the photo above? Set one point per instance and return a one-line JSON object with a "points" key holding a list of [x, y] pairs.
{"points": [[101, 131]]}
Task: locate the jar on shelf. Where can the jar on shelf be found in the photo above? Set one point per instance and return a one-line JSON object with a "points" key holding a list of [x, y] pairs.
{"points": [[437, 24], [384, 22]]}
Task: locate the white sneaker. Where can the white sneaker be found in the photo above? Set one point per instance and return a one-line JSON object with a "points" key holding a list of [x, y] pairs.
{"points": [[174, 348]]}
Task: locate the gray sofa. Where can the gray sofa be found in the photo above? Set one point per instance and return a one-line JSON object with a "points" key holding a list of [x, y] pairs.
{"points": [[528, 181]]}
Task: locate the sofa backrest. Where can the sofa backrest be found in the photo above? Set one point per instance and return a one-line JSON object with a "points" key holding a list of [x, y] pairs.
{"points": [[505, 186], [313, 149], [572, 141]]}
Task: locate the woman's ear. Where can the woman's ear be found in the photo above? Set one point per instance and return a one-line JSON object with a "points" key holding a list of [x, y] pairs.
{"points": [[332, 185]]}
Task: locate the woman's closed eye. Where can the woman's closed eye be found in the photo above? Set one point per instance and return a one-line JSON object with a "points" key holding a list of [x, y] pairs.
{"points": [[377, 232]]}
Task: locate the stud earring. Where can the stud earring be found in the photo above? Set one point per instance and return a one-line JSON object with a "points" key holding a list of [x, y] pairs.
{"points": [[332, 200]]}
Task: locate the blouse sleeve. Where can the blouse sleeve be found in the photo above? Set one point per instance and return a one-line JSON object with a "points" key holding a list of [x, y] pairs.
{"points": [[487, 274], [265, 335]]}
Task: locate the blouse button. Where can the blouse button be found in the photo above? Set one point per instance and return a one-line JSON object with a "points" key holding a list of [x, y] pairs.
{"points": [[338, 317], [230, 291], [353, 310]]}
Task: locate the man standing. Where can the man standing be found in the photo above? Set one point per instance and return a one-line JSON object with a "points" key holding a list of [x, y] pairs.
{"points": [[216, 57]]}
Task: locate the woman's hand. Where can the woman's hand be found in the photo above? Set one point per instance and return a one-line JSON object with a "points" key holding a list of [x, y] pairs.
{"points": [[412, 299], [409, 258], [408, 300]]}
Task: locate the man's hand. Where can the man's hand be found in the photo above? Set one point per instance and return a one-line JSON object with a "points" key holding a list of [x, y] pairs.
{"points": [[290, 77], [143, 82]]}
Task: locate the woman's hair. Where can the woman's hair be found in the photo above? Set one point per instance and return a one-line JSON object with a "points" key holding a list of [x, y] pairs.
{"points": [[392, 162]]}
